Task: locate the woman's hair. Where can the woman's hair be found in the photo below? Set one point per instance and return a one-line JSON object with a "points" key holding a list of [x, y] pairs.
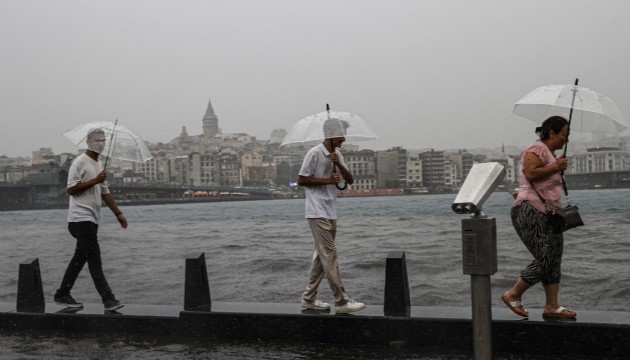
{"points": [[555, 123]]}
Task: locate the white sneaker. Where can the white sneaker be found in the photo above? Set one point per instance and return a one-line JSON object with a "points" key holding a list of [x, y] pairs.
{"points": [[315, 305], [350, 306]]}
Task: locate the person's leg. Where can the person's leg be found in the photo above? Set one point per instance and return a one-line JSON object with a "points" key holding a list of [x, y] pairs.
{"points": [[539, 237], [76, 263], [324, 232], [551, 282], [316, 276], [515, 293], [524, 221], [551, 297], [88, 244]]}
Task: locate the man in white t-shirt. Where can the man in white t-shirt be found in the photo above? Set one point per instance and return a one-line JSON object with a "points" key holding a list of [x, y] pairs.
{"points": [[87, 189], [319, 180]]}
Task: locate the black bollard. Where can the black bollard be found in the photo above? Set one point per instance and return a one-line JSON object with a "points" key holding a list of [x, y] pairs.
{"points": [[397, 301], [197, 290], [30, 294]]}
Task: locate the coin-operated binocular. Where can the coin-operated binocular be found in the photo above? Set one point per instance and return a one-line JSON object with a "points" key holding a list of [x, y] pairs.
{"points": [[481, 181], [479, 248], [479, 233]]}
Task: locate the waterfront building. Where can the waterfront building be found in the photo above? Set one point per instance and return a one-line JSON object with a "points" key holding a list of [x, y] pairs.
{"points": [[392, 168], [44, 155], [290, 159], [230, 170], [414, 172], [264, 175], [149, 169], [433, 169], [599, 159], [203, 170], [464, 162], [362, 165], [178, 170], [14, 169], [461, 163], [250, 160], [277, 135], [512, 166], [215, 159], [451, 174]]}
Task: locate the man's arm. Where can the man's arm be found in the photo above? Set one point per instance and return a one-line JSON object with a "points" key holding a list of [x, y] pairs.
{"points": [[346, 174], [313, 181], [111, 203], [82, 186], [342, 169]]}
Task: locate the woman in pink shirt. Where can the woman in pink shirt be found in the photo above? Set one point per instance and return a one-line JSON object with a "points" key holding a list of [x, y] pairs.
{"points": [[540, 179]]}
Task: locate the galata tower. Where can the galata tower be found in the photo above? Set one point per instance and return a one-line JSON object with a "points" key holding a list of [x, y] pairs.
{"points": [[210, 122]]}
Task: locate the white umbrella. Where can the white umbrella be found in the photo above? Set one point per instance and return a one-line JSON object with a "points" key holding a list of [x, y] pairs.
{"points": [[121, 143], [587, 110]]}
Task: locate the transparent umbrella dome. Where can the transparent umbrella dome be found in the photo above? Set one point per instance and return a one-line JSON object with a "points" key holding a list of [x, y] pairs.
{"points": [[311, 129], [119, 141]]}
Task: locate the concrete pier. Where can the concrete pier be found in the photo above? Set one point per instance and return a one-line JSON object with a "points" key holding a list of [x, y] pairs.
{"points": [[395, 324], [595, 333]]}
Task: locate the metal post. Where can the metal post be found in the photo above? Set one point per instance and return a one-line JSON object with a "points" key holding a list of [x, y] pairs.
{"points": [[479, 250], [482, 316]]}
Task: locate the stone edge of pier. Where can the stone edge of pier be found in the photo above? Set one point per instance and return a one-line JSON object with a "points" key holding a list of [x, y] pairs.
{"points": [[595, 333]]}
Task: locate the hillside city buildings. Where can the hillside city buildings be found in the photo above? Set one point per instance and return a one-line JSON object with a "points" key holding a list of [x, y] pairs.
{"points": [[214, 159]]}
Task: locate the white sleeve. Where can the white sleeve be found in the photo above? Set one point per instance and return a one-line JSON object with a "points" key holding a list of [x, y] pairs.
{"points": [[308, 165], [75, 174]]}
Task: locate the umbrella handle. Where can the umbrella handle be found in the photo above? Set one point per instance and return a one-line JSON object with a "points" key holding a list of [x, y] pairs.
{"points": [[345, 184]]}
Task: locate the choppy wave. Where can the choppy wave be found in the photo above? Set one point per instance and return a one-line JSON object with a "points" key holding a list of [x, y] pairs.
{"points": [[261, 250]]}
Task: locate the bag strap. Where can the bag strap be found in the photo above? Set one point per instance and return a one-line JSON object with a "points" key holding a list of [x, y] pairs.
{"points": [[540, 197], [564, 185]]}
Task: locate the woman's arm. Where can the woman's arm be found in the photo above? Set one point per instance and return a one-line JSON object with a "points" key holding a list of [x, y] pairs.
{"points": [[534, 169]]}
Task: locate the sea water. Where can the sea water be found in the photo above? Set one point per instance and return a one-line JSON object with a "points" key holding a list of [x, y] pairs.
{"points": [[259, 251]]}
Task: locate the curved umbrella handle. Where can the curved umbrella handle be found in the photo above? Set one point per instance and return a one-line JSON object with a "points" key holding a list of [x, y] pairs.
{"points": [[345, 184]]}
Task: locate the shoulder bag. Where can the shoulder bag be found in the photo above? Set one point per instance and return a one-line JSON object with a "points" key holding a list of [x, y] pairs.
{"points": [[563, 219]]}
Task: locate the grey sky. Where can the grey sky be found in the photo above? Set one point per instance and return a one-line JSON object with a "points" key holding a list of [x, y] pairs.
{"points": [[440, 74]]}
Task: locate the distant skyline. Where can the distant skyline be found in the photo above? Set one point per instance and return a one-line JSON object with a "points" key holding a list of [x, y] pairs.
{"points": [[424, 74]]}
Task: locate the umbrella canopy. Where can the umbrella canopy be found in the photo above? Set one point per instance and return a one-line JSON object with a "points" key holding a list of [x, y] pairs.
{"points": [[592, 111], [120, 142], [310, 130], [313, 129]]}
